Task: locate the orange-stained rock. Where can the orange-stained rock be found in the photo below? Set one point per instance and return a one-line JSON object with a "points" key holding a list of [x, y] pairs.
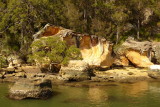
{"points": [[122, 60], [96, 54], [51, 30], [106, 58], [140, 60], [96, 51]]}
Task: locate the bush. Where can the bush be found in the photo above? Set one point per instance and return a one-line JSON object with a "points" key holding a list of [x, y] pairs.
{"points": [[3, 61], [53, 50]]}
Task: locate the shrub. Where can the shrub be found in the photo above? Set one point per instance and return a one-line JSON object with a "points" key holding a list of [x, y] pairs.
{"points": [[53, 50], [3, 61]]}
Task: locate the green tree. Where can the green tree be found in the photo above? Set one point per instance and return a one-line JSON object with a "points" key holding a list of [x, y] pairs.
{"points": [[53, 50], [3, 61], [20, 19]]}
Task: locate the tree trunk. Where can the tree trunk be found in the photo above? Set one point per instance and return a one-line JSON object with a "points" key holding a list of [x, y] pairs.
{"points": [[138, 29], [117, 35]]}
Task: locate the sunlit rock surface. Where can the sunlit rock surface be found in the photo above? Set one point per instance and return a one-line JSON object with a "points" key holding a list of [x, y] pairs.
{"points": [[126, 74], [140, 60], [138, 53], [156, 52], [96, 51]]}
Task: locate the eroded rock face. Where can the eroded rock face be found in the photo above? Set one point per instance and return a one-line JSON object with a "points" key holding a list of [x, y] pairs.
{"points": [[121, 61], [31, 88], [95, 51], [135, 52], [140, 60], [75, 71], [156, 52]]}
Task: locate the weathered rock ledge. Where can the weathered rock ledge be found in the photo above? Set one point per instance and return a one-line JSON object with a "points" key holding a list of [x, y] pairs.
{"points": [[125, 74], [31, 88]]}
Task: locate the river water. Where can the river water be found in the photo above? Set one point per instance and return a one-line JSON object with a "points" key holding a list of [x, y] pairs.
{"points": [[140, 94]]}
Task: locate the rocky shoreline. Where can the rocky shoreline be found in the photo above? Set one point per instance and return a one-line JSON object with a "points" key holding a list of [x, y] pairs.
{"points": [[30, 82], [124, 75]]}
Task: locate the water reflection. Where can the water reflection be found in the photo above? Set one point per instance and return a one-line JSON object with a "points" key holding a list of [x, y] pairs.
{"points": [[154, 87], [140, 94], [97, 94], [136, 89]]}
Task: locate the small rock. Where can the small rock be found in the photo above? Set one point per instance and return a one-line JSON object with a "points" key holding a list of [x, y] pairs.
{"points": [[154, 71], [20, 74], [9, 75], [31, 69], [130, 73], [10, 70], [18, 70], [31, 75], [40, 75]]}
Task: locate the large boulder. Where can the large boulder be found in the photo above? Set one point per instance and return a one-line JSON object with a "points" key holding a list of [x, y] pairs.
{"points": [[140, 60], [31, 88], [154, 71], [75, 71], [136, 52], [156, 52]]}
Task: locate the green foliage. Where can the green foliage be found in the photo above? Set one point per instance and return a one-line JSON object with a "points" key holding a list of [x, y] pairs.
{"points": [[3, 61], [157, 39], [53, 50], [20, 19]]}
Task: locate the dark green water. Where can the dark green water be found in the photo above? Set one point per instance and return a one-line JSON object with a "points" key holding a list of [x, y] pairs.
{"points": [[141, 94]]}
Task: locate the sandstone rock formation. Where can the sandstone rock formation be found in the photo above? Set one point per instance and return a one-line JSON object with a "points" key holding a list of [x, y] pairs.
{"points": [[75, 71], [96, 51], [136, 52], [140, 60], [27, 88], [156, 52], [121, 61], [126, 74]]}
